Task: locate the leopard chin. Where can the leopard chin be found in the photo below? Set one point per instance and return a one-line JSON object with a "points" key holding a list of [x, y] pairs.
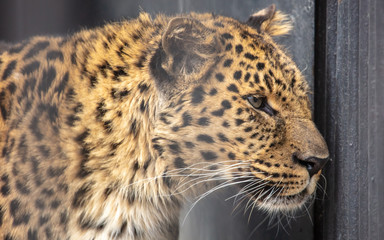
{"points": [[272, 201]]}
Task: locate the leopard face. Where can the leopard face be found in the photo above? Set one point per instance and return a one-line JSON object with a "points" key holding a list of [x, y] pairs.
{"points": [[242, 109]]}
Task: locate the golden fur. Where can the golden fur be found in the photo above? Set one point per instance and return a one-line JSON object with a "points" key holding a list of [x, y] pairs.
{"points": [[104, 134]]}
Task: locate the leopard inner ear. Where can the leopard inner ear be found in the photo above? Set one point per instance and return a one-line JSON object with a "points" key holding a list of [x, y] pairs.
{"points": [[270, 21]]}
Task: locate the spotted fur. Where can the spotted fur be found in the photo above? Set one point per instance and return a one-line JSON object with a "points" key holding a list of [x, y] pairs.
{"points": [[104, 134]]}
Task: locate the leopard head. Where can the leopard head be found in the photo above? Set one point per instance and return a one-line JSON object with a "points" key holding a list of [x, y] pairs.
{"points": [[234, 110]]}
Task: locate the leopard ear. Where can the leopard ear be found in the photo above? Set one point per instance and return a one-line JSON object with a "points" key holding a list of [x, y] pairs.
{"points": [[270, 21], [188, 44], [187, 50]]}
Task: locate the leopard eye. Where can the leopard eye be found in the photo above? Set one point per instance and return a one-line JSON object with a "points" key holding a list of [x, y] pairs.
{"points": [[256, 101], [260, 103]]}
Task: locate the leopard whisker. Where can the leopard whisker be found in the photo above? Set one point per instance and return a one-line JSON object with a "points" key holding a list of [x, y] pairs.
{"points": [[309, 214], [201, 180], [244, 189], [176, 171], [211, 164], [225, 184], [255, 188], [217, 178], [217, 172]]}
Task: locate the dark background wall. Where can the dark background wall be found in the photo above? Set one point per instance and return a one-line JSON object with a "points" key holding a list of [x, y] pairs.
{"points": [[339, 46]]}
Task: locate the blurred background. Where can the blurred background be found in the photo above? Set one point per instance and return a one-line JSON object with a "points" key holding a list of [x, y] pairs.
{"points": [[337, 44]]}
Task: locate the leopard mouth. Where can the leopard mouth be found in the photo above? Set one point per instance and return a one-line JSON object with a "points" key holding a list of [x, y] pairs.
{"points": [[269, 198]]}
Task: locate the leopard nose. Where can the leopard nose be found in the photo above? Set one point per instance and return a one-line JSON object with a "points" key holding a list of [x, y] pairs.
{"points": [[312, 164]]}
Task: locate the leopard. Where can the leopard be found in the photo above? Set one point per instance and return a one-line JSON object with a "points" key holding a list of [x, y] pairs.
{"points": [[106, 133]]}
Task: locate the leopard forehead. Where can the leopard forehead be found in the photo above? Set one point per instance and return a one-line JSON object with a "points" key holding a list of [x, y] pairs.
{"points": [[246, 59]]}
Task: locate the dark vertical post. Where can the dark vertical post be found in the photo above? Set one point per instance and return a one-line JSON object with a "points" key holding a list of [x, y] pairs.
{"points": [[349, 111]]}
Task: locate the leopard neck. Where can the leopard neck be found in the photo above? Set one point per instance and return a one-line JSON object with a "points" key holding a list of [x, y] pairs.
{"points": [[111, 111]]}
